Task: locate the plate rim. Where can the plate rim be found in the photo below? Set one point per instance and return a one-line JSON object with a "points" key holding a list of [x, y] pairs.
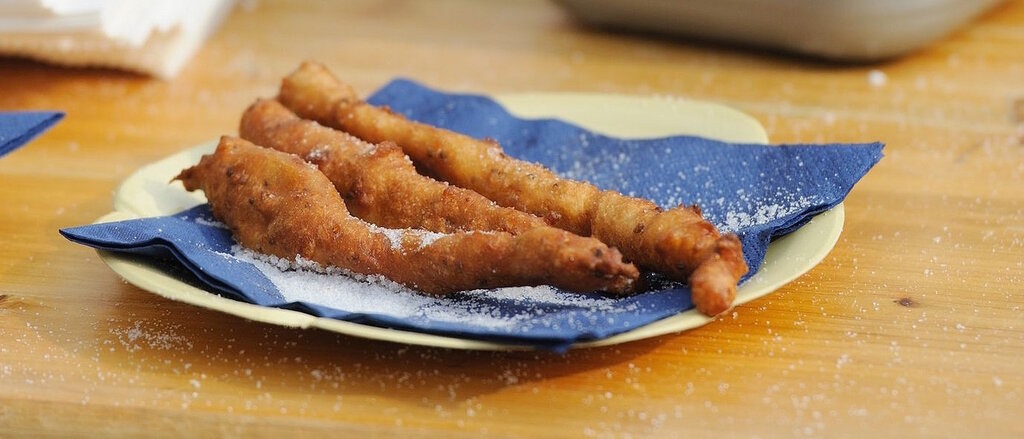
{"points": [[828, 225]]}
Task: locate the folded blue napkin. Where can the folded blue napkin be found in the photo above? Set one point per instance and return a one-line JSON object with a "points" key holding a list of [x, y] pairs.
{"points": [[17, 128], [759, 192]]}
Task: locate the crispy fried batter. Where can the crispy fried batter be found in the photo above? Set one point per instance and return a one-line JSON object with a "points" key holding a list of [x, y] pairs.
{"points": [[678, 242], [277, 204], [378, 182]]}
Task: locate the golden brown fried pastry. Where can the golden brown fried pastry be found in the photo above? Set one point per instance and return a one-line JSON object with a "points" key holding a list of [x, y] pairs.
{"points": [[378, 182], [278, 204], [677, 242]]}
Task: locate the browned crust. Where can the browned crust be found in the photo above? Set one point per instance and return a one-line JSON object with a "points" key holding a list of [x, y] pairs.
{"points": [[378, 182], [277, 204], [678, 242]]}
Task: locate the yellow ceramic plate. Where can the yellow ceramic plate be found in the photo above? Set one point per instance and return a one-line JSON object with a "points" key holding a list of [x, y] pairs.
{"points": [[146, 193]]}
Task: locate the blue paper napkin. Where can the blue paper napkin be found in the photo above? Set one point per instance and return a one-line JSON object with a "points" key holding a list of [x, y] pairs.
{"points": [[17, 128], [759, 192]]}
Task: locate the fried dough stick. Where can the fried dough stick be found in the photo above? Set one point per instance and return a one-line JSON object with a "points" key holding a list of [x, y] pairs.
{"points": [[276, 203], [378, 182], [678, 243]]}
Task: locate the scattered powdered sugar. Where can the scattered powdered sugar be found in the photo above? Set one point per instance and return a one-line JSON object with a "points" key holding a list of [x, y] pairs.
{"points": [[393, 235], [743, 209], [427, 237], [736, 220], [317, 154], [398, 236], [212, 223], [246, 255], [772, 187], [306, 281], [137, 337], [877, 78]]}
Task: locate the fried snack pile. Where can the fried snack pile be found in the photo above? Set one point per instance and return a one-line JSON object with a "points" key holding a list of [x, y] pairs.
{"points": [[678, 243], [277, 204]]}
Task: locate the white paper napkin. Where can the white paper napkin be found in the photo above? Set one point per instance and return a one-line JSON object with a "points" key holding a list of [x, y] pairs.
{"points": [[155, 37]]}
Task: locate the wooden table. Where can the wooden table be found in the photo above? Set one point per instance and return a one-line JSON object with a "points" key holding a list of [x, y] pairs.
{"points": [[913, 325]]}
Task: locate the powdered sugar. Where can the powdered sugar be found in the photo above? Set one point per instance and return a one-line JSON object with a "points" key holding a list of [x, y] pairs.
{"points": [[428, 237], [212, 223], [317, 154], [764, 213], [306, 281], [398, 237], [738, 187], [877, 78], [393, 235]]}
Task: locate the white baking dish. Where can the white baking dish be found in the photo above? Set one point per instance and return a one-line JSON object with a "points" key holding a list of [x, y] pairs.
{"points": [[860, 30]]}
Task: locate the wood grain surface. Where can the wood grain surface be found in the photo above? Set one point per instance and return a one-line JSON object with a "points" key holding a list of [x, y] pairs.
{"points": [[913, 326]]}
